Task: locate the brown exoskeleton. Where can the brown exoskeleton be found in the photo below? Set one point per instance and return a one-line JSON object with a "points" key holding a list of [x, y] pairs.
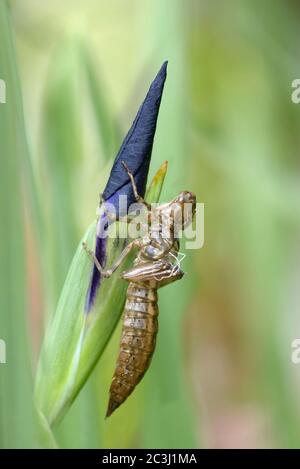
{"points": [[155, 266]]}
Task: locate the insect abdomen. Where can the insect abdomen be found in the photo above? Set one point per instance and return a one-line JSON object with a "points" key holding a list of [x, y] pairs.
{"points": [[137, 342]]}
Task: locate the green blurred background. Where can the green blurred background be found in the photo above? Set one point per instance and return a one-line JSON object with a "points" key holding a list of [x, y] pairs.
{"points": [[222, 375]]}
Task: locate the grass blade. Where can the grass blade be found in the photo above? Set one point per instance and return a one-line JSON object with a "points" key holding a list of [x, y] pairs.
{"points": [[17, 421], [74, 342]]}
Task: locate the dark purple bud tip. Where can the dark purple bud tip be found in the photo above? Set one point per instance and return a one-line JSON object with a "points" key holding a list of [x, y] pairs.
{"points": [[136, 148], [135, 152]]}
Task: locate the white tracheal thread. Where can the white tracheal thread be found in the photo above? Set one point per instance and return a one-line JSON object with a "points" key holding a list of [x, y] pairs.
{"points": [[176, 266]]}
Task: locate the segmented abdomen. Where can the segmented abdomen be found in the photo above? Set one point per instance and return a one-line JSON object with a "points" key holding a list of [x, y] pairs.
{"points": [[137, 342]]}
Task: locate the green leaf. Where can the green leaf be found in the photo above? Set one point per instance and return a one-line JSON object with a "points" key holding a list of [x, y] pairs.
{"points": [[17, 419], [74, 341]]}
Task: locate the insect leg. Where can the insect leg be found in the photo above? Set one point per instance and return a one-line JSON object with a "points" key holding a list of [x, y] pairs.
{"points": [[92, 256], [113, 217], [138, 197], [107, 273]]}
